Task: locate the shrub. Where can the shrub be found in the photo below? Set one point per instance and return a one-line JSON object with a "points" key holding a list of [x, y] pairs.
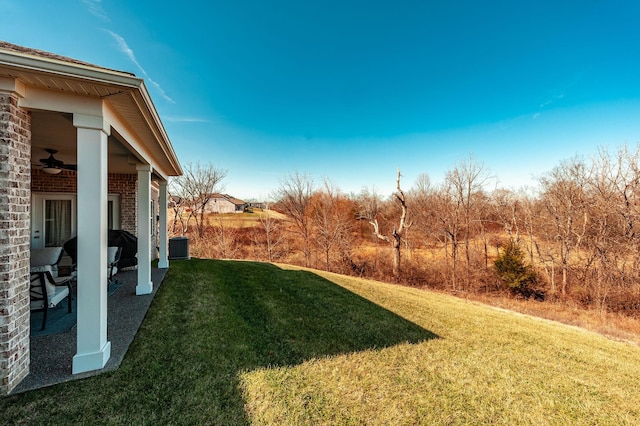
{"points": [[513, 272]]}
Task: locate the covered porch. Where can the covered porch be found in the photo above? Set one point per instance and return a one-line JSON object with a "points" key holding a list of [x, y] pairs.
{"points": [[125, 313], [101, 127]]}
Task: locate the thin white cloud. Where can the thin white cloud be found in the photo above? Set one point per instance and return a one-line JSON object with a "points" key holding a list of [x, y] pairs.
{"points": [[536, 115], [552, 100], [95, 8], [160, 89], [124, 48]]}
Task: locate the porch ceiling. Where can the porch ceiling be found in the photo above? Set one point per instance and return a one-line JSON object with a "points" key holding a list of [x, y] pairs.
{"points": [[61, 83], [53, 130]]}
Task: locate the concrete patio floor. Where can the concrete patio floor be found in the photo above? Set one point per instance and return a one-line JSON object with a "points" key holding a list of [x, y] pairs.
{"points": [[52, 355]]}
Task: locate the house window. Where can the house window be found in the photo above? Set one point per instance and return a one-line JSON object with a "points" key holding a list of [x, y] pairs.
{"points": [[57, 222]]}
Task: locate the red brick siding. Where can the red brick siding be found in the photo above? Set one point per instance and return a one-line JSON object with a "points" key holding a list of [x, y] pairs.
{"points": [[121, 184], [125, 185]]}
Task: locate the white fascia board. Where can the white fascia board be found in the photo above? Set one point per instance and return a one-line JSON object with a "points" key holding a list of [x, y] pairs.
{"points": [[68, 69], [145, 103]]}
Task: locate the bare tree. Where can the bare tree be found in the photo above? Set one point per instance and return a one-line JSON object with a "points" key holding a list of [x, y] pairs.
{"points": [[611, 240], [225, 240], [465, 184], [426, 212], [624, 177], [533, 223], [369, 213], [294, 199], [423, 199], [506, 208], [195, 188], [565, 202], [447, 212], [178, 206], [481, 224], [270, 236], [332, 222]]}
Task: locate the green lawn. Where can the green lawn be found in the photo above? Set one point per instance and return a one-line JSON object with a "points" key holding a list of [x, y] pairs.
{"points": [[249, 343]]}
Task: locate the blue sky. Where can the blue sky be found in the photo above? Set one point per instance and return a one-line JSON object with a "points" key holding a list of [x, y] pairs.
{"points": [[353, 90]]}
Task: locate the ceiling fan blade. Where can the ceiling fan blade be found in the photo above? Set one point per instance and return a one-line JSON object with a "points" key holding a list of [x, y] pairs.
{"points": [[51, 162]]}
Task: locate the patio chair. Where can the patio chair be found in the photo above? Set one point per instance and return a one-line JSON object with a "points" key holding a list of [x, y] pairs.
{"points": [[113, 257], [46, 256], [47, 290]]}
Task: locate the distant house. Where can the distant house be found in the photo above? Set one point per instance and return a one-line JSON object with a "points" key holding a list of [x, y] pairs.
{"points": [[258, 205], [225, 203]]}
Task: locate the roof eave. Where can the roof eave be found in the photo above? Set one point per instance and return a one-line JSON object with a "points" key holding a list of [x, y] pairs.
{"points": [[81, 71], [164, 140], [69, 70]]}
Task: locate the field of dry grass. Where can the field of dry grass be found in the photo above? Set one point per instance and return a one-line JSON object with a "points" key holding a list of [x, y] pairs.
{"points": [[612, 325], [237, 220]]}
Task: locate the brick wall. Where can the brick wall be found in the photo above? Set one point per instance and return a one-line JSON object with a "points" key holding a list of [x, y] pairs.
{"points": [[118, 183], [125, 185], [65, 181], [15, 203]]}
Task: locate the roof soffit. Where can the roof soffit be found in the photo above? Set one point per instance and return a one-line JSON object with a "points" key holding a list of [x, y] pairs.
{"points": [[126, 94]]}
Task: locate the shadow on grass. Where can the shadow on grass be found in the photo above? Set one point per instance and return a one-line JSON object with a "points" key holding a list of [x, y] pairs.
{"points": [[212, 320], [248, 315], [297, 315]]}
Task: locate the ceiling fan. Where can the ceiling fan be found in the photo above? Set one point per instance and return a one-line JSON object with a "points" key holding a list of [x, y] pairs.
{"points": [[52, 165]]}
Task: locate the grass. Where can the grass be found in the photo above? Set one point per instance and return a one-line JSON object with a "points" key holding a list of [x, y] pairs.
{"points": [[249, 343], [251, 219]]}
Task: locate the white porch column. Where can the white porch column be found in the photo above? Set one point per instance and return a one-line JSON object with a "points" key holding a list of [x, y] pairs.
{"points": [[163, 262], [93, 349], [145, 286]]}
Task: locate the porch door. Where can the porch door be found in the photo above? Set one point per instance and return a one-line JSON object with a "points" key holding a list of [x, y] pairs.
{"points": [[53, 219]]}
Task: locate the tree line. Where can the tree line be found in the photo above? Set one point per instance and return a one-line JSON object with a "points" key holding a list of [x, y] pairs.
{"points": [[574, 237]]}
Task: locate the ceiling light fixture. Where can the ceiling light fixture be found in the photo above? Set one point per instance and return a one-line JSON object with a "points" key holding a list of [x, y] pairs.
{"points": [[51, 170]]}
